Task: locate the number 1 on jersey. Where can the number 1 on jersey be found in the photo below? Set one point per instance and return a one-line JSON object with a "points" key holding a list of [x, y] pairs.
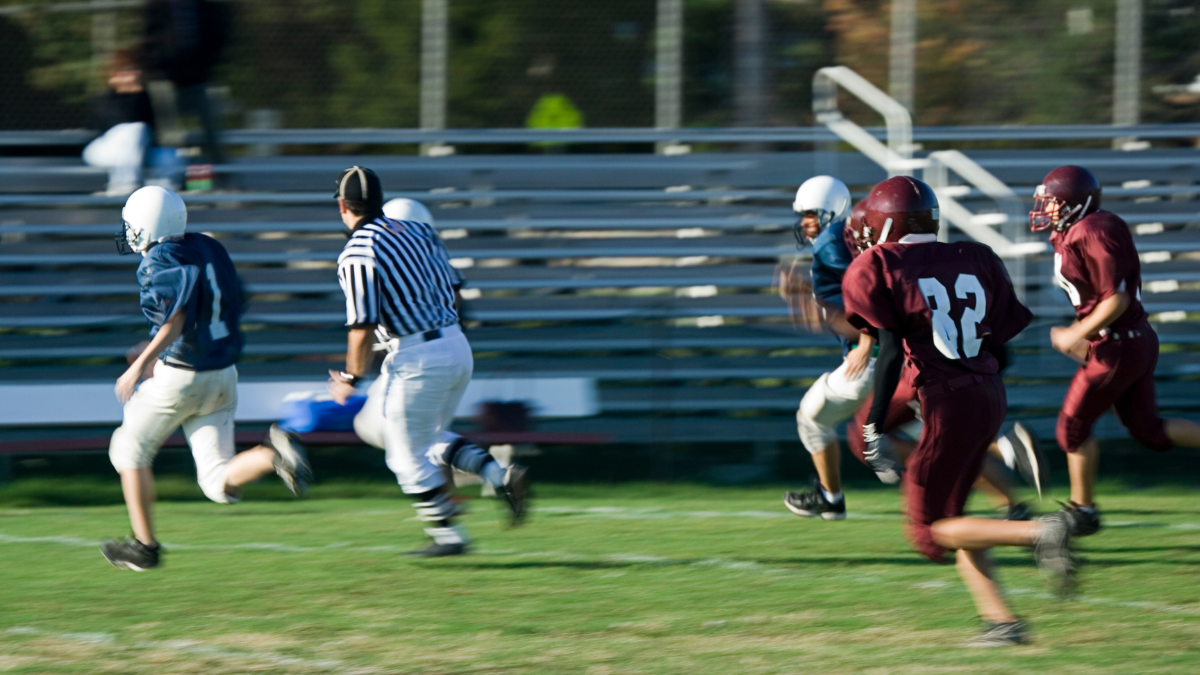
{"points": [[945, 332], [216, 327]]}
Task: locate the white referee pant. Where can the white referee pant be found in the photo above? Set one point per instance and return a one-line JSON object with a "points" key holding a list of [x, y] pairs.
{"points": [[831, 400], [202, 402], [418, 390]]}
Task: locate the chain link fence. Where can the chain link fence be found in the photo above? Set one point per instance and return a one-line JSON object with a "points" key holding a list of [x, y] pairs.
{"points": [[518, 63]]}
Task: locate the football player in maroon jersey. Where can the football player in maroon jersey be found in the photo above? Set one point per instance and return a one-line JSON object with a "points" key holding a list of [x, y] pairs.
{"points": [[1096, 263], [948, 309], [1019, 448]]}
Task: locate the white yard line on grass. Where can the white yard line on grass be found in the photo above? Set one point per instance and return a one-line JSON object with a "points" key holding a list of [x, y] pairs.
{"points": [[650, 513], [190, 647]]}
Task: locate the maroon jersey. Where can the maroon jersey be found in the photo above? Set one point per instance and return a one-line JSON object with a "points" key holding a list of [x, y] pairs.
{"points": [[952, 303], [1096, 259]]}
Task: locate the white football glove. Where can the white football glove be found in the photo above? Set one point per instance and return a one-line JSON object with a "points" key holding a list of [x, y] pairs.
{"points": [[881, 457]]}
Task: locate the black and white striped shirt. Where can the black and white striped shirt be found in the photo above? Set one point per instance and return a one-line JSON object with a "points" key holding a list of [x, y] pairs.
{"points": [[397, 275]]}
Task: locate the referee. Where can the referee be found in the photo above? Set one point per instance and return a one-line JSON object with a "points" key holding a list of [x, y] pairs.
{"points": [[401, 290]]}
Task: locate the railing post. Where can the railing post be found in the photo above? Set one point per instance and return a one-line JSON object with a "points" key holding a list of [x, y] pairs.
{"points": [[1127, 70], [668, 71], [434, 47], [902, 61]]}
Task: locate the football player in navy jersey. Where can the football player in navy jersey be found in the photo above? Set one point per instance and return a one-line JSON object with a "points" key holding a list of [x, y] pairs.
{"points": [[191, 294], [823, 205]]}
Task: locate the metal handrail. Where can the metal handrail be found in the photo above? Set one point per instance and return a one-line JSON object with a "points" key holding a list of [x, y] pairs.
{"points": [[1036, 132], [896, 156]]}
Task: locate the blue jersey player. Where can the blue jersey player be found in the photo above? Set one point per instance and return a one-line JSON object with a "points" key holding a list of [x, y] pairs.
{"points": [[191, 294], [823, 204]]}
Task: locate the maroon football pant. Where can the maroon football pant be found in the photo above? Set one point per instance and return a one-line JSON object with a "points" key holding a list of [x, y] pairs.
{"points": [[1119, 373], [899, 413], [961, 418]]}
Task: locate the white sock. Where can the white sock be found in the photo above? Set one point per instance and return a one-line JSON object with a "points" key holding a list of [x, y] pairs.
{"points": [[1007, 451], [493, 473], [832, 497], [455, 534]]}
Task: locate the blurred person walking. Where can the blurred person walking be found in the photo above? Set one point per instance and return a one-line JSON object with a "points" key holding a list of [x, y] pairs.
{"points": [[182, 43], [402, 291], [126, 118]]}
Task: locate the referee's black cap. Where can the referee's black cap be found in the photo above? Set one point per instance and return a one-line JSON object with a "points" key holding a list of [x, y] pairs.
{"points": [[361, 185]]}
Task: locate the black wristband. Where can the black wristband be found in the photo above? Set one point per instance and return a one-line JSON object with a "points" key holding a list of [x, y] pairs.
{"points": [[349, 379]]}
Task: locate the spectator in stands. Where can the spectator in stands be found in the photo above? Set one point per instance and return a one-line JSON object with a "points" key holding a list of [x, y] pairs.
{"points": [[126, 117], [183, 41]]}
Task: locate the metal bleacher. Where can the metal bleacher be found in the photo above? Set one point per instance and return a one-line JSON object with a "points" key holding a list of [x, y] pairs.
{"points": [[650, 273]]}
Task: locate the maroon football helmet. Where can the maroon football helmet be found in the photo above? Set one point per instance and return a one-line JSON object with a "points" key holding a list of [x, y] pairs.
{"points": [[854, 226], [1066, 195], [898, 206]]}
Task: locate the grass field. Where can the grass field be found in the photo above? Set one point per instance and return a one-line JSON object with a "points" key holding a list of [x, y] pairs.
{"points": [[642, 578]]}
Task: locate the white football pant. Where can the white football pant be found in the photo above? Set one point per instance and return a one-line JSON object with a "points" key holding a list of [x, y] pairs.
{"points": [[202, 402], [831, 400], [421, 387]]}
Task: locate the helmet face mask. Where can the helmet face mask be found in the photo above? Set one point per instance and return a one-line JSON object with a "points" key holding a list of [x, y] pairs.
{"points": [[824, 197], [824, 218], [1066, 196], [128, 239]]}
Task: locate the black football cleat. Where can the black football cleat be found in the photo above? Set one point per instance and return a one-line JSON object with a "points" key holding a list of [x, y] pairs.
{"points": [[1053, 553], [1083, 523], [515, 493], [1028, 460], [1000, 635], [131, 554], [812, 503], [1018, 511], [436, 550], [291, 460]]}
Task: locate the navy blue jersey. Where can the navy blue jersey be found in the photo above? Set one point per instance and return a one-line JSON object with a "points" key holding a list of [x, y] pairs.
{"points": [[194, 274], [830, 258]]}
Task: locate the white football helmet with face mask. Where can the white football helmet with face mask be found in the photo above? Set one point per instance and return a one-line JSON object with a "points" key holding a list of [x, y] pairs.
{"points": [[824, 196], [152, 214], [408, 209]]}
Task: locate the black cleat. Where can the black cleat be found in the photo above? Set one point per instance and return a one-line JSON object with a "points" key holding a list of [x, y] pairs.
{"points": [[515, 493], [1027, 459], [130, 554], [812, 503], [1082, 523], [291, 460], [1000, 635], [1053, 553], [1018, 511], [435, 550]]}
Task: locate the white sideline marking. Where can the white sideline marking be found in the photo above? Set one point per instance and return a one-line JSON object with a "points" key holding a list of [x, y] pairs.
{"points": [[649, 513], [187, 647]]}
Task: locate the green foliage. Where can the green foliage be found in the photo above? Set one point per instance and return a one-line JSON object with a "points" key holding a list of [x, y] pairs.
{"points": [[356, 63]]}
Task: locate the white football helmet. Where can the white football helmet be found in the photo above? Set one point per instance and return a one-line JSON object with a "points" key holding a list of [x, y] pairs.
{"points": [[408, 209], [152, 214], [826, 196]]}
